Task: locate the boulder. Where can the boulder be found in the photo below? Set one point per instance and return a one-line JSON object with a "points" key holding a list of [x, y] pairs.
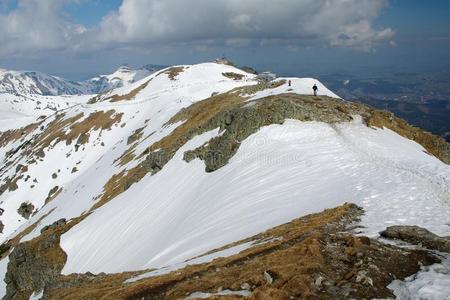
{"points": [[419, 236]]}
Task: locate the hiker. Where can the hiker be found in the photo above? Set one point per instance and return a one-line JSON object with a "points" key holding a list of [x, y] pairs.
{"points": [[289, 83], [315, 89]]}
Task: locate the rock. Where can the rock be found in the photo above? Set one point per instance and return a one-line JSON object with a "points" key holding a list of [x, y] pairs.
{"points": [[245, 286], [25, 209], [318, 281], [224, 61], [417, 235], [361, 277], [54, 224], [32, 266], [249, 70], [268, 277]]}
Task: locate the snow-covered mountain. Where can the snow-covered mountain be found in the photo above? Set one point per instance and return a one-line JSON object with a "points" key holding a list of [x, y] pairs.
{"points": [[195, 162], [29, 82], [123, 76], [37, 83]]}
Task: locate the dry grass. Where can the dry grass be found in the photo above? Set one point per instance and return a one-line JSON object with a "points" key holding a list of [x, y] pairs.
{"points": [[10, 136], [433, 144], [173, 72], [56, 131]]}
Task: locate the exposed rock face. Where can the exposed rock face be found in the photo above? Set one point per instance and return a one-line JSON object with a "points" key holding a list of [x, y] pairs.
{"points": [[34, 265], [240, 122], [417, 235], [55, 224], [249, 70], [224, 61]]}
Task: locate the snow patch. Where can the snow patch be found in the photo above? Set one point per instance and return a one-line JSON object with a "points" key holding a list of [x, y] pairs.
{"points": [[431, 283]]}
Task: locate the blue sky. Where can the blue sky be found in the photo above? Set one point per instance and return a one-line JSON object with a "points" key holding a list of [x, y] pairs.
{"points": [[81, 38], [90, 13]]}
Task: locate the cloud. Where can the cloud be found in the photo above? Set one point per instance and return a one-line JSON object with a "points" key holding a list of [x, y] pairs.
{"points": [[345, 23], [38, 25]]}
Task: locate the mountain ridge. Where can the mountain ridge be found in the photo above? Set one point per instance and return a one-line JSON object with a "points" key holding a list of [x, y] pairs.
{"points": [[38, 83], [196, 157]]}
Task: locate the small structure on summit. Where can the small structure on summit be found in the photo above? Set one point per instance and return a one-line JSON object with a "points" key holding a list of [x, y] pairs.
{"points": [[266, 77], [224, 61]]}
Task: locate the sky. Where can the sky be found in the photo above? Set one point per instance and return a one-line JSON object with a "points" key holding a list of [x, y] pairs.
{"points": [[78, 39]]}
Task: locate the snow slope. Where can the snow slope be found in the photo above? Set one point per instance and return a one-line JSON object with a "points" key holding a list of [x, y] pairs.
{"points": [[302, 86], [123, 76], [278, 174], [258, 190], [158, 102]]}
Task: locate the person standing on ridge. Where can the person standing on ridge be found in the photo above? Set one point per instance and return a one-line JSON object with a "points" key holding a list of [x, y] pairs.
{"points": [[315, 89]]}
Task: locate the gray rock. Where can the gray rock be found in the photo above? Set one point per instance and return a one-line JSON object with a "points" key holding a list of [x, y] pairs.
{"points": [[54, 225], [417, 235], [268, 277], [25, 209], [245, 286]]}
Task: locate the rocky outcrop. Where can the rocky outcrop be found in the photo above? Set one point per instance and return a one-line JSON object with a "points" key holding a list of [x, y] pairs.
{"points": [[418, 236], [238, 123], [25, 209], [36, 264], [54, 225], [33, 265]]}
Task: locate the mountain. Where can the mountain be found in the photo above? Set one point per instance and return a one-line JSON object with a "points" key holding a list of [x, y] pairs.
{"points": [[203, 180], [123, 76], [28, 82], [36, 83]]}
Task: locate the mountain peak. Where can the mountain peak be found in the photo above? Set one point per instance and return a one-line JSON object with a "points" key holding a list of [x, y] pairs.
{"points": [[123, 68]]}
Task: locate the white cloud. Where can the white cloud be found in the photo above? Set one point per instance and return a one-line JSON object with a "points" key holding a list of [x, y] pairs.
{"points": [[41, 25], [36, 25], [338, 23]]}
